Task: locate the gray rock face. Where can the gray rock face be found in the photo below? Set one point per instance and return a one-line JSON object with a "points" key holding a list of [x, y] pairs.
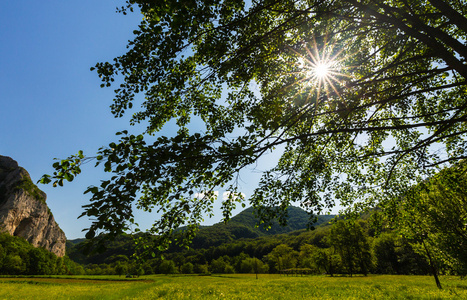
{"points": [[23, 210]]}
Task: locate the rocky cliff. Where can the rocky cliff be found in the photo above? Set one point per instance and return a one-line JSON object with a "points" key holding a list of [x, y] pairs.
{"points": [[23, 210]]}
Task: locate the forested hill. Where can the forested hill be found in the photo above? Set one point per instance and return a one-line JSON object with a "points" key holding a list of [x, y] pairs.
{"points": [[297, 219], [243, 225]]}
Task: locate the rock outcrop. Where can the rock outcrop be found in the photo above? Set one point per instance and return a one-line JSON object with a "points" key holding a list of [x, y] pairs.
{"points": [[23, 210]]}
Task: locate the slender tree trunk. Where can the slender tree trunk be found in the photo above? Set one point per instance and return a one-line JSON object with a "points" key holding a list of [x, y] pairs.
{"points": [[434, 269], [331, 270]]}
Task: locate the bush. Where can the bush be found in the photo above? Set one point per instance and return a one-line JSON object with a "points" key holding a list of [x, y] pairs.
{"points": [[201, 269], [187, 268], [168, 267], [229, 269]]}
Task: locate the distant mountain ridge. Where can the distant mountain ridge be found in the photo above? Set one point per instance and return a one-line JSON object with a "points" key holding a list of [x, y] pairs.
{"points": [[243, 225]]}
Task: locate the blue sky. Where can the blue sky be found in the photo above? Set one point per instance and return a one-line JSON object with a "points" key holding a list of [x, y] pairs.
{"points": [[51, 104]]}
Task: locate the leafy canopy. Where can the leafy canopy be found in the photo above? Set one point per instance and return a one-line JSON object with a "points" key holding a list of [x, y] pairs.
{"points": [[433, 215], [389, 108]]}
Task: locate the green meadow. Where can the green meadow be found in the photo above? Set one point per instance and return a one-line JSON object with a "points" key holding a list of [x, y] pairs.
{"points": [[232, 287]]}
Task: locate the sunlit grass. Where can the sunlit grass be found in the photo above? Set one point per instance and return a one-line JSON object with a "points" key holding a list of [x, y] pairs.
{"points": [[233, 287]]}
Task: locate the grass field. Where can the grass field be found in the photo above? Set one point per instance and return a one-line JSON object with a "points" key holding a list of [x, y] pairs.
{"points": [[232, 287]]}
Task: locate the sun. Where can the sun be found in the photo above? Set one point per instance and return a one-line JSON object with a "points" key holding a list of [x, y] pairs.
{"points": [[321, 70]]}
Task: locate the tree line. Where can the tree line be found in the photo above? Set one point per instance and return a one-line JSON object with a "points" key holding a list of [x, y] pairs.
{"points": [[345, 247], [19, 257]]}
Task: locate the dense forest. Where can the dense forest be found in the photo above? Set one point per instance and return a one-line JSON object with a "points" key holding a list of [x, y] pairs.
{"points": [[345, 247], [341, 247]]}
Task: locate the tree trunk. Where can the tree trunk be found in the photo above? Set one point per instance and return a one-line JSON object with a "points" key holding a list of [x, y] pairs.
{"points": [[433, 268]]}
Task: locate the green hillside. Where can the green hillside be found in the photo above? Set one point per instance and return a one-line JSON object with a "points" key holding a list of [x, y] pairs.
{"points": [[241, 226], [244, 224]]}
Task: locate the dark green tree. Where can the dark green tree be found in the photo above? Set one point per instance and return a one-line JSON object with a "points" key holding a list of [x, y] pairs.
{"points": [[359, 97], [350, 242], [201, 268], [167, 267], [38, 262], [385, 254], [284, 257], [13, 264], [121, 268], [218, 265], [310, 258], [187, 268], [326, 259], [253, 265], [140, 271], [433, 216]]}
